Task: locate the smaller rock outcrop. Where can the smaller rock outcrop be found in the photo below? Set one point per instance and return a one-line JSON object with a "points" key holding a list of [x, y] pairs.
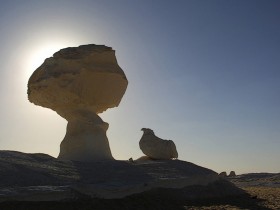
{"points": [[155, 147], [223, 174], [232, 174]]}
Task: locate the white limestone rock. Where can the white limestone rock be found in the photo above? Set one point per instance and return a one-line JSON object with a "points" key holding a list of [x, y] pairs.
{"points": [[155, 147], [78, 83]]}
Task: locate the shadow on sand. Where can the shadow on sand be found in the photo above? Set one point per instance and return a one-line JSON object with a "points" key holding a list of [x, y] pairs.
{"points": [[159, 199]]}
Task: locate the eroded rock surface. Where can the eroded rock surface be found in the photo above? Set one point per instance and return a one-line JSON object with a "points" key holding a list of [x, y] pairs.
{"points": [[155, 147], [87, 76], [39, 177], [78, 83]]}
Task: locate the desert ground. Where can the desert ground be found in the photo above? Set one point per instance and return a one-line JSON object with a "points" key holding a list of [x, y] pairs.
{"points": [[262, 193], [41, 182], [258, 198]]}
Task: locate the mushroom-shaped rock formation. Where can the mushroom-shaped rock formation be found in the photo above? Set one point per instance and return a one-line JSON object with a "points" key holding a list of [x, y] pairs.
{"points": [[155, 147], [78, 83]]}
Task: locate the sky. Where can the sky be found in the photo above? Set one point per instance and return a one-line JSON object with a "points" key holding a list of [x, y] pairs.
{"points": [[204, 73]]}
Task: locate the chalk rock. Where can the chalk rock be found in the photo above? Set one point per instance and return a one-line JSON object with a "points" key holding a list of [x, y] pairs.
{"points": [[232, 174], [78, 83], [155, 147], [223, 174]]}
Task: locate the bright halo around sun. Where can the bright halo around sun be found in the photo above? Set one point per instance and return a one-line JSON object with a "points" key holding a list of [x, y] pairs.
{"points": [[38, 55]]}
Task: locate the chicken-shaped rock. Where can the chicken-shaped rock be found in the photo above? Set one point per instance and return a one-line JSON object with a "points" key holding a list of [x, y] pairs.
{"points": [[155, 147]]}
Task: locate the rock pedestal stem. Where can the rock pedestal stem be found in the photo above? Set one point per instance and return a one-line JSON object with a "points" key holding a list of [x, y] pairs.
{"points": [[85, 138]]}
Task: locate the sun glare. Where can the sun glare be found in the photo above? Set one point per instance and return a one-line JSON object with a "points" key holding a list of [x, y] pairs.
{"points": [[38, 55], [35, 56]]}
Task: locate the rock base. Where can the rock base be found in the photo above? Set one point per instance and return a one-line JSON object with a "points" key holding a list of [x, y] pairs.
{"points": [[39, 177]]}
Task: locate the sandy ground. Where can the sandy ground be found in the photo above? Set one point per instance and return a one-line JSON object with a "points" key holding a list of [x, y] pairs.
{"points": [[259, 198], [265, 198], [270, 197]]}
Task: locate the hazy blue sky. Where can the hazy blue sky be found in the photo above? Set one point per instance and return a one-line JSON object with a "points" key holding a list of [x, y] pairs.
{"points": [[205, 74]]}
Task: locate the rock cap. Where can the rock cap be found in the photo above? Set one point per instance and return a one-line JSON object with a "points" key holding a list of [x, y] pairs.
{"points": [[86, 77]]}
